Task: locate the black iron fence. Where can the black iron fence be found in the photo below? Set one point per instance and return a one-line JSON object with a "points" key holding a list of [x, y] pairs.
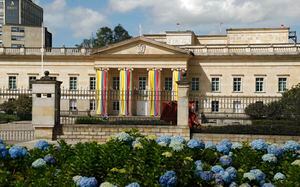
{"points": [[227, 104], [14, 93], [219, 104], [137, 95]]}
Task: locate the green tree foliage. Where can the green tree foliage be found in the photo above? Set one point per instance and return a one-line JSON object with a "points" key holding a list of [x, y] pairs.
{"points": [[106, 36], [21, 107], [288, 107]]}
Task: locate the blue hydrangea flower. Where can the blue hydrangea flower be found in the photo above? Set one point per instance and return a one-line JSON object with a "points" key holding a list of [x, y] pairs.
{"points": [[269, 158], [177, 139], [210, 145], [88, 182], [224, 146], [49, 159], [3, 151], [291, 146], [206, 175], [250, 176], [259, 175], [169, 179], [245, 185], [219, 179], [232, 172], [176, 146], [77, 179], [233, 184], [259, 145], [225, 160], [38, 163], [199, 165], [42, 145], [217, 169], [17, 152], [164, 140], [107, 184], [237, 145], [279, 176], [225, 177], [124, 137], [134, 184], [195, 144], [274, 149], [267, 185]]}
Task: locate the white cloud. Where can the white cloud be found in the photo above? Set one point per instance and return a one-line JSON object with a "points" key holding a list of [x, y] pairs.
{"points": [[82, 21], [196, 12]]}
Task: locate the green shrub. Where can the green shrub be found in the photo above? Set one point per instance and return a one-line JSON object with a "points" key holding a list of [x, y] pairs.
{"points": [[5, 118], [256, 110], [274, 110], [21, 107], [291, 102], [90, 120]]}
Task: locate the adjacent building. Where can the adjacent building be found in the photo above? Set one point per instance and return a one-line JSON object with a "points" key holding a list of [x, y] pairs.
{"points": [[21, 25], [136, 76]]}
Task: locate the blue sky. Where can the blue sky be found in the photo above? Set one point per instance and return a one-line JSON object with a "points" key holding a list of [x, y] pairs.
{"points": [[72, 20]]}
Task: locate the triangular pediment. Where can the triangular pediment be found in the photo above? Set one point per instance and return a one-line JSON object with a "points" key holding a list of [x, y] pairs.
{"points": [[140, 46]]}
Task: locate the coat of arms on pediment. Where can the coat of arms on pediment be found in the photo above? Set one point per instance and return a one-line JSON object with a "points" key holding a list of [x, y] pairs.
{"points": [[141, 48]]}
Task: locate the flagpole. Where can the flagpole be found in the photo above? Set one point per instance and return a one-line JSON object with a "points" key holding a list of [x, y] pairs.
{"points": [[42, 50]]}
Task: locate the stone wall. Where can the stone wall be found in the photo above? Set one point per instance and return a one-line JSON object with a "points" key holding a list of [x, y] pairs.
{"points": [[244, 138], [100, 133]]}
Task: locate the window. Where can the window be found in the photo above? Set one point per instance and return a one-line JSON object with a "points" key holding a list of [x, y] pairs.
{"points": [[142, 83], [73, 105], [12, 82], [282, 84], [17, 45], [17, 29], [92, 105], [237, 84], [30, 81], [73, 83], [92, 83], [215, 106], [168, 83], [215, 84], [115, 105], [17, 38], [116, 83], [259, 84], [195, 84]]}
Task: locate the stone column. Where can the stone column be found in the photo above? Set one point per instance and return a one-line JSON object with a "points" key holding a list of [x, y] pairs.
{"points": [[183, 103], [102, 90], [46, 107]]}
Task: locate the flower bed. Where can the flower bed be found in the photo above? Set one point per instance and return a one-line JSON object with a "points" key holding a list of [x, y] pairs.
{"points": [[130, 159]]}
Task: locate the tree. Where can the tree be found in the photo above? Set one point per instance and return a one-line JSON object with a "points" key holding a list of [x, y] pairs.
{"points": [[21, 107], [106, 36], [120, 34]]}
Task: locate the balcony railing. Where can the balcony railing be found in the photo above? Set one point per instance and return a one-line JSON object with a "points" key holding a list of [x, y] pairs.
{"points": [[251, 49], [47, 51], [199, 50]]}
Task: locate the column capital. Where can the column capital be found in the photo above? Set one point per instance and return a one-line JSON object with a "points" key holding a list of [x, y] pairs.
{"points": [[101, 69], [131, 69], [159, 69]]}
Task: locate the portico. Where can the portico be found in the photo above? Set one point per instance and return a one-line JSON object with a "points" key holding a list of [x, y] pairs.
{"points": [[134, 77]]}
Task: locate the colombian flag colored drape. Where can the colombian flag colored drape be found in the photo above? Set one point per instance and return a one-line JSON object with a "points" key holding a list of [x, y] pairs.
{"points": [[176, 77], [154, 88], [125, 92], [101, 87]]}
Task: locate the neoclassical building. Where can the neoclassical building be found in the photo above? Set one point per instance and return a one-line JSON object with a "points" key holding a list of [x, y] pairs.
{"points": [[134, 77]]}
